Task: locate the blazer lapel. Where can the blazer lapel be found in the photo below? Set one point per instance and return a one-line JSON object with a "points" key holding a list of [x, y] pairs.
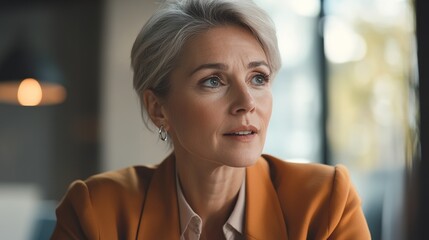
{"points": [[160, 217], [264, 218]]}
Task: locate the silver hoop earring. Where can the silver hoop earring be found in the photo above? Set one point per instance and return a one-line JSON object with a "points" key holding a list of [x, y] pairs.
{"points": [[162, 133]]}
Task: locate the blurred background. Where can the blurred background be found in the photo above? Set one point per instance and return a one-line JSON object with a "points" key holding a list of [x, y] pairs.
{"points": [[349, 92]]}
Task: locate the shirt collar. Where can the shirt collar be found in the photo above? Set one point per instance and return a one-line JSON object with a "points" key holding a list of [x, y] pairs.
{"points": [[235, 221], [186, 213]]}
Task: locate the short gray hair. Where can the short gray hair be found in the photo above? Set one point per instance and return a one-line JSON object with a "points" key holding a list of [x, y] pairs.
{"points": [[162, 37]]}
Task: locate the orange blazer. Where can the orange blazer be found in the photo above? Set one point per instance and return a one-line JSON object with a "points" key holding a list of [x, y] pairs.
{"points": [[283, 201]]}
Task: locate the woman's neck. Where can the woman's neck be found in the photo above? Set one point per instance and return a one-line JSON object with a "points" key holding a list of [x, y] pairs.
{"points": [[211, 190]]}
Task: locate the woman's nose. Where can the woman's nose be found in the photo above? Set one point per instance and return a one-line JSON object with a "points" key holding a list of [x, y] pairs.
{"points": [[243, 100]]}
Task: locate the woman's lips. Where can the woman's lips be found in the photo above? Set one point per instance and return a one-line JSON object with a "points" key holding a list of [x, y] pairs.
{"points": [[243, 133], [242, 130]]}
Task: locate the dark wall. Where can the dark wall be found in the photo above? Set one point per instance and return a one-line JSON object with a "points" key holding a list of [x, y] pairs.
{"points": [[418, 226], [52, 145]]}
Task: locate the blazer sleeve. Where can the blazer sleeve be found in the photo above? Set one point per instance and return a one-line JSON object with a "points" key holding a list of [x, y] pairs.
{"points": [[75, 215], [347, 220]]}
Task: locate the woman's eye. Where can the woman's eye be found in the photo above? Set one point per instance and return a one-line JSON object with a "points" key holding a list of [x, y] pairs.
{"points": [[259, 80], [212, 82]]}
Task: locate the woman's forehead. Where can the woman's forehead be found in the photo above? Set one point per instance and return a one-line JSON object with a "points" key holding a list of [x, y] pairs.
{"points": [[215, 44]]}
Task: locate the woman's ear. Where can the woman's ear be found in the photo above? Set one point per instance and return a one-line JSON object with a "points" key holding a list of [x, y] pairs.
{"points": [[154, 107]]}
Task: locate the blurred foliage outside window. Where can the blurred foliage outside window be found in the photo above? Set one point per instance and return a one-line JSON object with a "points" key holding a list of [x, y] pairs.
{"points": [[369, 45]]}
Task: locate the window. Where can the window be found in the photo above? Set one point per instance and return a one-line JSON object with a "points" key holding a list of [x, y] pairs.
{"points": [[371, 111]]}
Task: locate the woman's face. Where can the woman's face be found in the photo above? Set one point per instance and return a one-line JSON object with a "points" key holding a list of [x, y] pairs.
{"points": [[220, 101]]}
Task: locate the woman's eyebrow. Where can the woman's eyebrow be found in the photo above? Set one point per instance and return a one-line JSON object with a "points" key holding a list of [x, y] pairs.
{"points": [[221, 66], [257, 64], [217, 66]]}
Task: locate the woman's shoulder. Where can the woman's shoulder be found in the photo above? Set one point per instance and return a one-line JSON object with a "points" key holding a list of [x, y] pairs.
{"points": [[91, 206], [310, 175], [311, 183], [111, 188], [318, 199], [131, 180]]}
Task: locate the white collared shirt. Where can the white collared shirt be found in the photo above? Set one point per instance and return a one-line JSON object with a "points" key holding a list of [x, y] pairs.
{"points": [[191, 223]]}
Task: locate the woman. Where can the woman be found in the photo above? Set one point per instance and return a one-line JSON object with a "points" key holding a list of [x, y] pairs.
{"points": [[203, 70]]}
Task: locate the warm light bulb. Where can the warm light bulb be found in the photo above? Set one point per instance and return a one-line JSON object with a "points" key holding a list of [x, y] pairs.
{"points": [[29, 92]]}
